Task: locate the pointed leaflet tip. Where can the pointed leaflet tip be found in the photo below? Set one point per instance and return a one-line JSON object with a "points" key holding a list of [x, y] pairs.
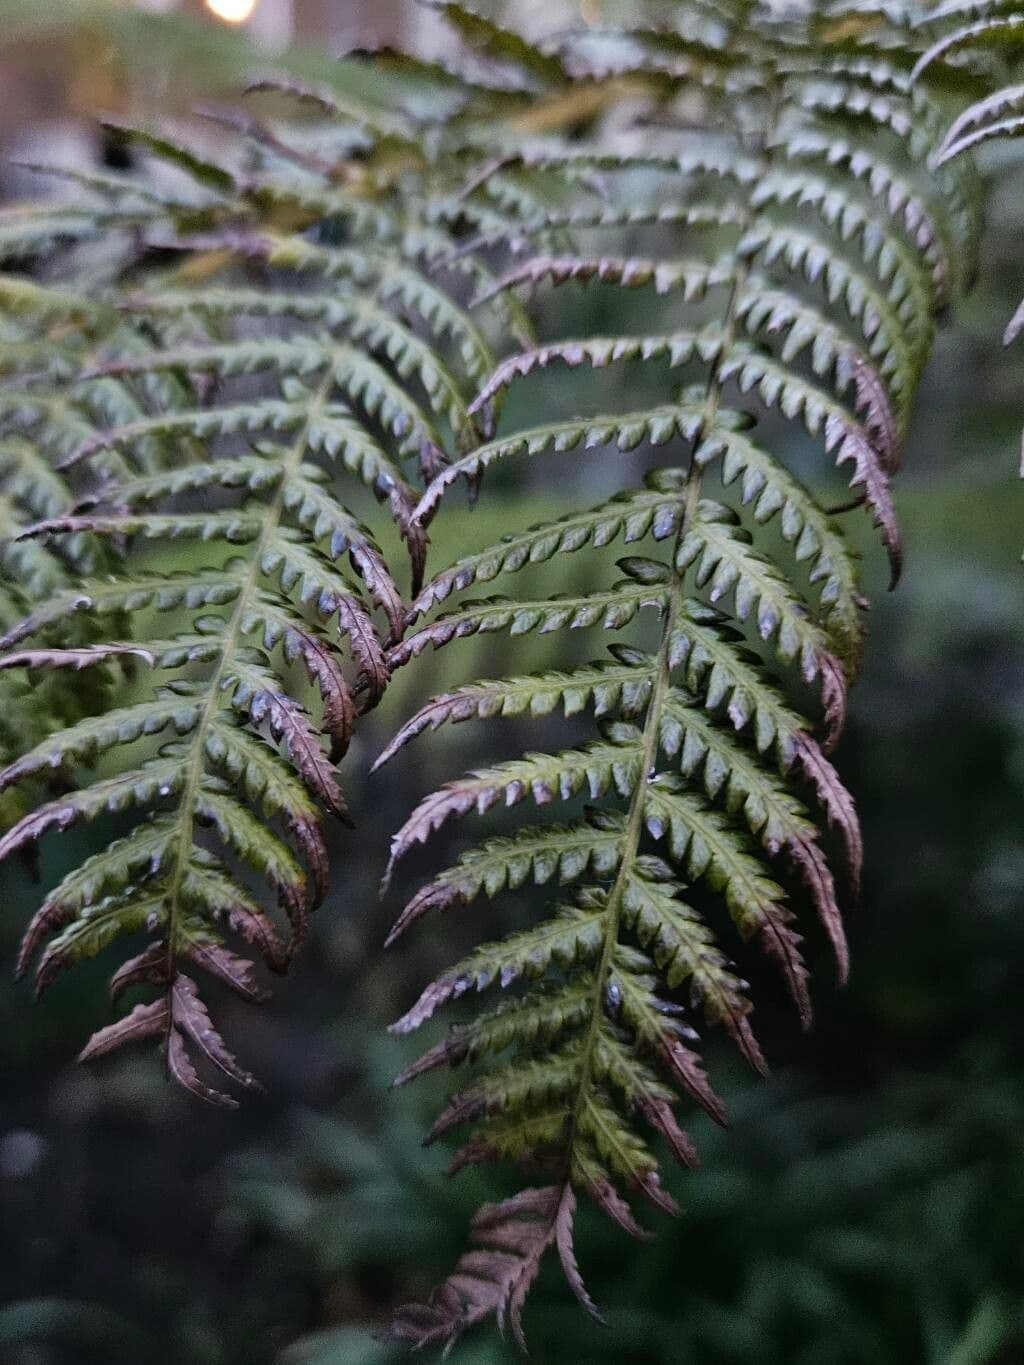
{"points": [[147, 968], [612, 1203], [433, 896], [895, 563], [433, 997], [85, 657], [450, 1051], [808, 859], [783, 944], [191, 1015], [181, 1069], [836, 800], [236, 972], [750, 1047], [564, 1220], [144, 1022], [51, 915]]}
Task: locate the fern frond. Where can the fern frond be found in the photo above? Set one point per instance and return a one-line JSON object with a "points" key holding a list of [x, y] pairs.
{"points": [[651, 511], [361, 319], [240, 680], [777, 385], [725, 563], [392, 280], [820, 247], [925, 217], [537, 853], [33, 435], [611, 610], [214, 400], [627, 431], [774, 492], [360, 376], [509, 1241]]}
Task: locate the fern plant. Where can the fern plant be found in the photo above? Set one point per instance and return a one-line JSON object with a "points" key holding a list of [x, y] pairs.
{"points": [[311, 318], [820, 244]]}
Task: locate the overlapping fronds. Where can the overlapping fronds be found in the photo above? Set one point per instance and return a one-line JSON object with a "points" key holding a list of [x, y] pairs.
{"points": [[211, 374], [199, 407], [46, 334], [792, 244]]}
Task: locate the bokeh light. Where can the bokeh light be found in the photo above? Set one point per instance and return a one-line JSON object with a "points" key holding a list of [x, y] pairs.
{"points": [[232, 11]]}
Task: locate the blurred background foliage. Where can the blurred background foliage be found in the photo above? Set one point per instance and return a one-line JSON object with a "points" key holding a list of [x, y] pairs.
{"points": [[865, 1205]]}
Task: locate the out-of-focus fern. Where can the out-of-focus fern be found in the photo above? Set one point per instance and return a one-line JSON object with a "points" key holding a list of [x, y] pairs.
{"points": [[972, 31], [818, 245]]}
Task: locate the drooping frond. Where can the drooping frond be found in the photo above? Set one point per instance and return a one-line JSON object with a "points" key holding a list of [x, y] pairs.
{"points": [[792, 258], [192, 445]]}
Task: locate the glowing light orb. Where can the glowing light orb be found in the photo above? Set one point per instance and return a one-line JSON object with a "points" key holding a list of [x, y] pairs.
{"points": [[232, 11]]}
